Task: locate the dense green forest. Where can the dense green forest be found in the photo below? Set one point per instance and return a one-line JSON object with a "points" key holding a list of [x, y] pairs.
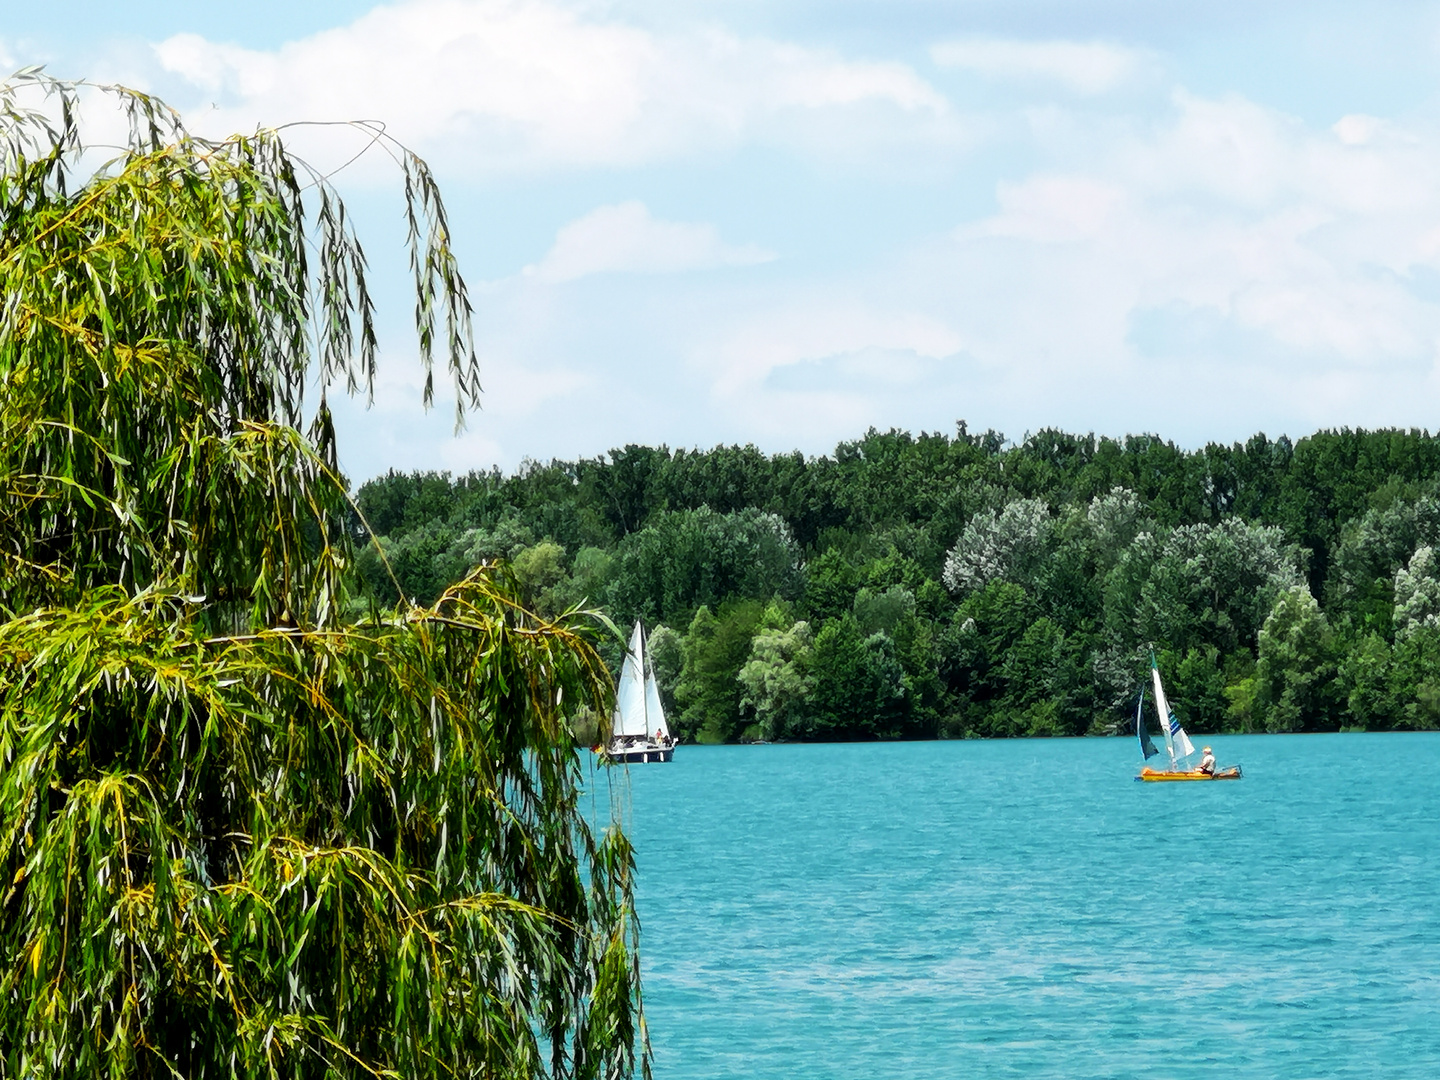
{"points": [[963, 586]]}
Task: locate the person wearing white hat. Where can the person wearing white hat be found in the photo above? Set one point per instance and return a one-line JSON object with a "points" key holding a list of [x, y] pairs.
{"points": [[1207, 762]]}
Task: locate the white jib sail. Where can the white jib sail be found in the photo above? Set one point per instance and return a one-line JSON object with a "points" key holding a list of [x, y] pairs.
{"points": [[630, 693], [1163, 708], [654, 711], [1183, 747]]}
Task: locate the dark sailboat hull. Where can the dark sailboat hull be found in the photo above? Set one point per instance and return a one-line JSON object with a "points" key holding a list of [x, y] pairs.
{"points": [[640, 755]]}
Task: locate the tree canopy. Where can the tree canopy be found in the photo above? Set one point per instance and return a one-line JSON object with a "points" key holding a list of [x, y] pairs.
{"points": [[255, 824], [962, 585]]}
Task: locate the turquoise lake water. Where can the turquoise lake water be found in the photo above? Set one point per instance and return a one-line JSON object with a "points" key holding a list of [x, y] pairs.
{"points": [[1026, 909]]}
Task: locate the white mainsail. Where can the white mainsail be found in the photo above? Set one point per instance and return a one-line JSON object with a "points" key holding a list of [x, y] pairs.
{"points": [[630, 694], [1163, 708], [1176, 741]]}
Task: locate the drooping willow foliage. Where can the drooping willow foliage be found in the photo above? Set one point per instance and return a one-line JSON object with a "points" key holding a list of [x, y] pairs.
{"points": [[241, 833]]}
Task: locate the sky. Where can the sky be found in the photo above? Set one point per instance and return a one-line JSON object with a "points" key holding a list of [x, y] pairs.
{"points": [[696, 222]]}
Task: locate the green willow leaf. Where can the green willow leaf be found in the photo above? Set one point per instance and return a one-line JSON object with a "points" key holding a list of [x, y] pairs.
{"points": [[253, 825]]}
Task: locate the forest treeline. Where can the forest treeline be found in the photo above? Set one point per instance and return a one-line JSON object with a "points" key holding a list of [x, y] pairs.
{"points": [[963, 586]]}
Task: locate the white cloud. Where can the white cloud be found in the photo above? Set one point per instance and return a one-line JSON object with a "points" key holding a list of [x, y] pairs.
{"points": [[1052, 209], [534, 84], [1231, 259], [1084, 67], [839, 329], [1153, 260], [625, 238], [520, 391], [1227, 270], [1357, 129]]}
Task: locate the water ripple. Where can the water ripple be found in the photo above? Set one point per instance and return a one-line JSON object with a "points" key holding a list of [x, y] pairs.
{"points": [[1026, 909]]}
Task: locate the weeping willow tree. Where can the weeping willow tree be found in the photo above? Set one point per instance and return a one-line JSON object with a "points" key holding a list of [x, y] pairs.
{"points": [[245, 833]]}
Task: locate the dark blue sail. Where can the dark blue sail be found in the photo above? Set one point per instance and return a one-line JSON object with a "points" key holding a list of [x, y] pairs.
{"points": [[1146, 746]]}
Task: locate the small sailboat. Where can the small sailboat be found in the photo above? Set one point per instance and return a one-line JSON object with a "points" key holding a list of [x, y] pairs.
{"points": [[1177, 743], [638, 732]]}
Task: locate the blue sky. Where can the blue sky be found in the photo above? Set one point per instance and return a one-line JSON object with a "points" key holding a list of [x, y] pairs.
{"points": [[783, 223]]}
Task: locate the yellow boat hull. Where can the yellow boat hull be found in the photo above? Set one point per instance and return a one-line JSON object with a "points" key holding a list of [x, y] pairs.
{"points": [[1156, 776]]}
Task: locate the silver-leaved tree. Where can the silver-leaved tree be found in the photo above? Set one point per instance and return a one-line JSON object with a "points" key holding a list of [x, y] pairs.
{"points": [[242, 832]]}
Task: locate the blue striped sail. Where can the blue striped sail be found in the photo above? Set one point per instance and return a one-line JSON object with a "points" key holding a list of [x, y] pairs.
{"points": [[1183, 747]]}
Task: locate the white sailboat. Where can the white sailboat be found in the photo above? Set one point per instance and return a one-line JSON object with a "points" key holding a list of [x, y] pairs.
{"points": [[638, 732], [1177, 743]]}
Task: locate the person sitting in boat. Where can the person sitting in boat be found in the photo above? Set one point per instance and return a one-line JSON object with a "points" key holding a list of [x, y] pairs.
{"points": [[1207, 762]]}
